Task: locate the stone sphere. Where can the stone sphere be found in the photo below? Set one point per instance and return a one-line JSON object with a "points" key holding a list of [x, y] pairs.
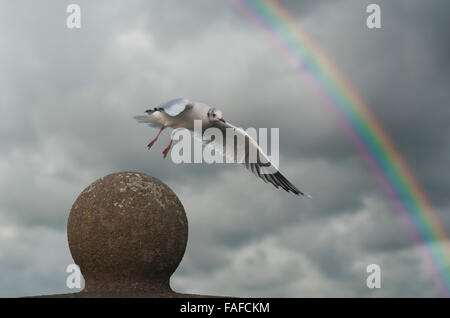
{"points": [[128, 232]]}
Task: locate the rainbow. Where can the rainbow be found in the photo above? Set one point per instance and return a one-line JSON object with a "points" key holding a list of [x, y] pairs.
{"points": [[364, 131]]}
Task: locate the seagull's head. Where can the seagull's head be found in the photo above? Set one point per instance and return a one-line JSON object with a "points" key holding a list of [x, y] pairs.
{"points": [[215, 115]]}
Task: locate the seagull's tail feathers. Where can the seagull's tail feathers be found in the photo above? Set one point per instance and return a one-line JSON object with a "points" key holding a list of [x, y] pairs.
{"points": [[150, 120]]}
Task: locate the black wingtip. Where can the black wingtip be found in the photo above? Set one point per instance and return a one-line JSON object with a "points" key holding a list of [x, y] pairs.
{"points": [[156, 109], [287, 186]]}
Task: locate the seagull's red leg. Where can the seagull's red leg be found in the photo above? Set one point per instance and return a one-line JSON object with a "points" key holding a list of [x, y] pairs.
{"points": [[156, 138], [166, 151]]}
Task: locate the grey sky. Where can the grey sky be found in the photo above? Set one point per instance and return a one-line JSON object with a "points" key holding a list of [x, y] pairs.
{"points": [[67, 100]]}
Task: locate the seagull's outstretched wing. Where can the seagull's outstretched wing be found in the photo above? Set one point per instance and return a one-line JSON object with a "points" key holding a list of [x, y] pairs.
{"points": [[173, 107], [156, 117], [248, 153]]}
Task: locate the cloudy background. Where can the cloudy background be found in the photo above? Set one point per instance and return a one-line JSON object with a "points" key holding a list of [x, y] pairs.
{"points": [[67, 98]]}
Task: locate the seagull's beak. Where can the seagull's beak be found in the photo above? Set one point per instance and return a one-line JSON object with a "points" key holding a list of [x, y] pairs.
{"points": [[222, 120]]}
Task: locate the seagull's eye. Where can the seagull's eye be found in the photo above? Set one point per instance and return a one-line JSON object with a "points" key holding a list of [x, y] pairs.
{"points": [[214, 115]]}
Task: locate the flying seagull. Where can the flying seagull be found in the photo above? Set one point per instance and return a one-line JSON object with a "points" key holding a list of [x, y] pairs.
{"points": [[181, 113]]}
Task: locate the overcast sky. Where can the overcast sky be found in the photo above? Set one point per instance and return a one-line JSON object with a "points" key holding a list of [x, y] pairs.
{"points": [[67, 98]]}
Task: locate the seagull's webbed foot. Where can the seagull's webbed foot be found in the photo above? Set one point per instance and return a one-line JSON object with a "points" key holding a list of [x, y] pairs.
{"points": [[151, 143], [156, 138], [166, 151]]}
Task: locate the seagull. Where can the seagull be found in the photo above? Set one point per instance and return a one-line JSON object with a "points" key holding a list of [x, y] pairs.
{"points": [[180, 113]]}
